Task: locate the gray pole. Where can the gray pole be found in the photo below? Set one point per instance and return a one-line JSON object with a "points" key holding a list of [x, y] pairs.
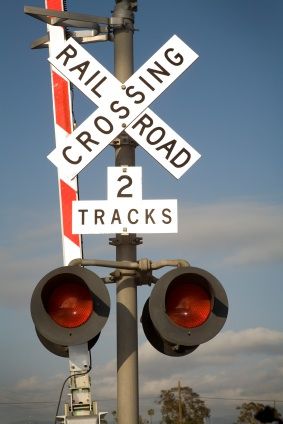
{"points": [[127, 340]]}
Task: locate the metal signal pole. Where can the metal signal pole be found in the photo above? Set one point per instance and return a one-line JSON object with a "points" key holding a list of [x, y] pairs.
{"points": [[127, 339]]}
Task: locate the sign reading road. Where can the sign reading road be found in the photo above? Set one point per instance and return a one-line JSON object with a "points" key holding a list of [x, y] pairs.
{"points": [[123, 107], [163, 143], [124, 211]]}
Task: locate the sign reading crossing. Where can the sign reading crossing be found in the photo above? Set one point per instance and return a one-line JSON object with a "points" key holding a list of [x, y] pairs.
{"points": [[120, 107], [125, 211]]}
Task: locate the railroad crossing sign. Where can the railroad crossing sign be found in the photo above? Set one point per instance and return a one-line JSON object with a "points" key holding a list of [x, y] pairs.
{"points": [[123, 107], [124, 211]]}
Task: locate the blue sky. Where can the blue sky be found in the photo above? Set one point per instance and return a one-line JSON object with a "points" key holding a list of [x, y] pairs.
{"points": [[228, 106]]}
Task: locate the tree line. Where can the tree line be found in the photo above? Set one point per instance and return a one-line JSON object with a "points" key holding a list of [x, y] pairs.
{"points": [[181, 405]]}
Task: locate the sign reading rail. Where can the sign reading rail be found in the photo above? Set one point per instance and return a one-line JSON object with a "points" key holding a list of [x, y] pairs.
{"points": [[123, 107]]}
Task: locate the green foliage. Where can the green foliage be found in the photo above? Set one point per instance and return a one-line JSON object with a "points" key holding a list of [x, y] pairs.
{"points": [[183, 406], [114, 413], [150, 413], [249, 410]]}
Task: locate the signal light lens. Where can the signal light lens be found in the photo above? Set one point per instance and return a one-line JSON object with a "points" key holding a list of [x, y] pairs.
{"points": [[70, 304], [187, 304], [187, 307]]}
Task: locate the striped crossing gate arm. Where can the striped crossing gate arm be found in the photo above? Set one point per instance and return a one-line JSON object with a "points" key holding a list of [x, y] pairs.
{"points": [[63, 123]]}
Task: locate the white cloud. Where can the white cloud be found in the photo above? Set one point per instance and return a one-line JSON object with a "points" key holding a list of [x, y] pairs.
{"points": [[254, 340], [246, 363], [240, 232], [29, 383], [237, 232], [32, 249], [240, 365], [105, 380]]}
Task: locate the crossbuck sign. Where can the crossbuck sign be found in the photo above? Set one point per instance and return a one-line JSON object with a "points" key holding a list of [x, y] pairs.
{"points": [[123, 107]]}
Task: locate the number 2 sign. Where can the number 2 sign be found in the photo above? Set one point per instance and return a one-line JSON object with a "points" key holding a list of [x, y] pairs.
{"points": [[125, 211], [124, 182]]}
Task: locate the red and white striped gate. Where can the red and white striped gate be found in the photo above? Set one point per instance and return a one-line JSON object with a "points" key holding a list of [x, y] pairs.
{"points": [[63, 123]]}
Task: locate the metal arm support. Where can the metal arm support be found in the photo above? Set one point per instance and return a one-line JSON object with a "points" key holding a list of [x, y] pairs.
{"points": [[141, 265], [142, 268], [96, 28]]}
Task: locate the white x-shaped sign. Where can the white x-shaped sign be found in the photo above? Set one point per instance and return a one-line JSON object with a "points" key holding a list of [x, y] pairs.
{"points": [[123, 107]]}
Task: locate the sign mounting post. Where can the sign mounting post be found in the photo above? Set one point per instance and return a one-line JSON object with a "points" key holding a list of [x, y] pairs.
{"points": [[126, 289]]}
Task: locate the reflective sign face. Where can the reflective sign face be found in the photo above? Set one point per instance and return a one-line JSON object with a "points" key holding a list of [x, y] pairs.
{"points": [[125, 211], [163, 143], [120, 104], [84, 71], [124, 182], [139, 91], [104, 217]]}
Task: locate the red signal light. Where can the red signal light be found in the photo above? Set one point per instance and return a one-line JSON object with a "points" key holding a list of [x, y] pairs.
{"points": [[70, 304], [187, 304], [187, 307]]}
